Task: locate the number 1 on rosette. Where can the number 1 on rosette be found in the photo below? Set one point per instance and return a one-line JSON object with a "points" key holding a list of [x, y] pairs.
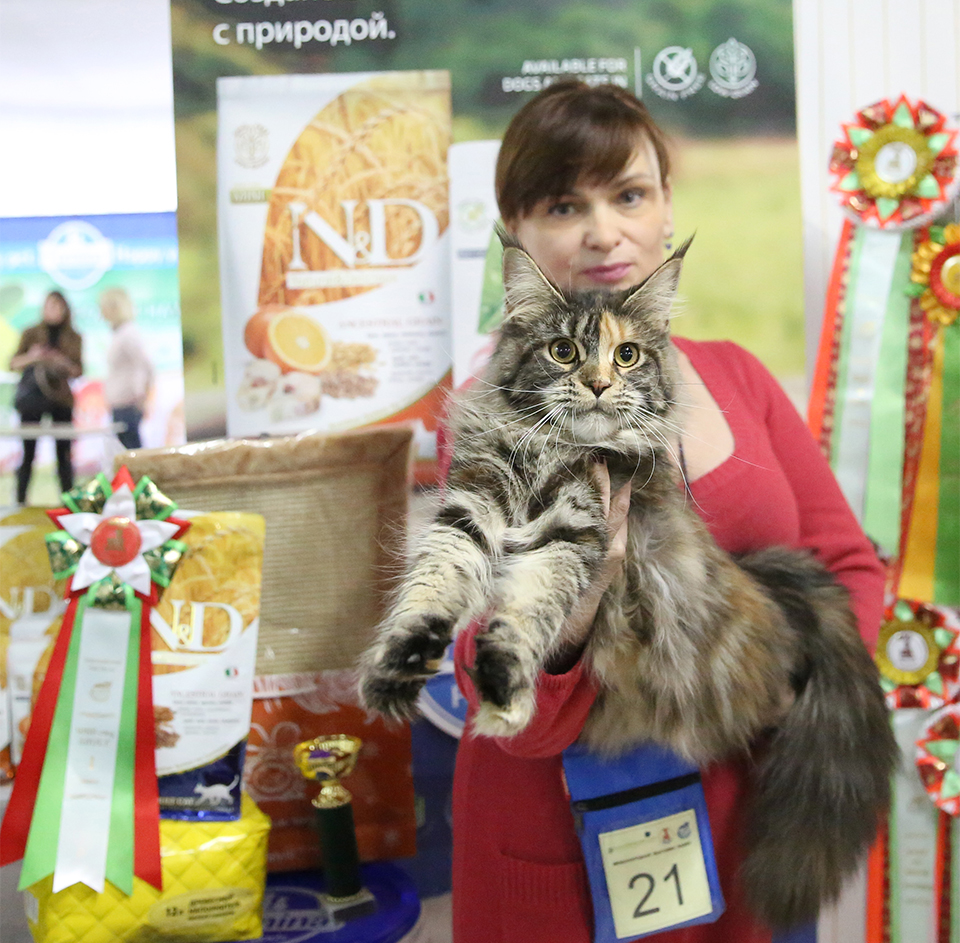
{"points": [[84, 805]]}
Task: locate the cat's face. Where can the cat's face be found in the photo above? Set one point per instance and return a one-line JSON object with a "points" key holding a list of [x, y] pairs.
{"points": [[595, 367]]}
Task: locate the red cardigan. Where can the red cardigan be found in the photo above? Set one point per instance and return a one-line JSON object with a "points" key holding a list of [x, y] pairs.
{"points": [[518, 875]]}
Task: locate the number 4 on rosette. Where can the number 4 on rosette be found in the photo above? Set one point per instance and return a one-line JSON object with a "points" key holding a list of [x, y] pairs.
{"points": [[84, 805]]}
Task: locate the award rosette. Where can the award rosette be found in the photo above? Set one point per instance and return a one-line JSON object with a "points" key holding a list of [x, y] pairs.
{"points": [[883, 405], [887, 360], [938, 758], [85, 805], [918, 654]]}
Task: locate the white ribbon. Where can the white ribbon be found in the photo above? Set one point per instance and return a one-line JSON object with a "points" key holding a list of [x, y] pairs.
{"points": [[92, 750], [913, 841]]}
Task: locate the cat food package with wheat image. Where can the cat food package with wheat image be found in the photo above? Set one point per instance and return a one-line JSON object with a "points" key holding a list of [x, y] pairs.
{"points": [[333, 230], [31, 610], [204, 639]]}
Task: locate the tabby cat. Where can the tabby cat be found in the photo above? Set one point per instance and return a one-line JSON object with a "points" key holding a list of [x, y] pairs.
{"points": [[692, 649]]}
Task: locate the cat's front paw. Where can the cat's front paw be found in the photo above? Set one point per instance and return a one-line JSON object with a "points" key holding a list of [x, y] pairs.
{"points": [[396, 667], [392, 697], [508, 721], [507, 697]]}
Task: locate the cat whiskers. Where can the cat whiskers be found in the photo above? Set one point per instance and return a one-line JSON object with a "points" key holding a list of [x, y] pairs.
{"points": [[524, 440]]}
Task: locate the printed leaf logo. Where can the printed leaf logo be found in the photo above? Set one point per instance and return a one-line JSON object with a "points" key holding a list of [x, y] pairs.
{"points": [[733, 70]]}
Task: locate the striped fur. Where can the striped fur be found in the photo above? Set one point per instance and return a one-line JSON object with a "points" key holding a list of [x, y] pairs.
{"points": [[692, 649]]}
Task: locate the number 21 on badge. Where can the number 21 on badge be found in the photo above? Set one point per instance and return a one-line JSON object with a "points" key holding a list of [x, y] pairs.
{"points": [[656, 876]]}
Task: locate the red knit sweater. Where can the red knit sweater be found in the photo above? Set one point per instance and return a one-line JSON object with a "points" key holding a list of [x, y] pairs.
{"points": [[518, 875]]}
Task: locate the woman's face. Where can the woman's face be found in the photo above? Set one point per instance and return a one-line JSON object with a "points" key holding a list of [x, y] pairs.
{"points": [[53, 310], [607, 236]]}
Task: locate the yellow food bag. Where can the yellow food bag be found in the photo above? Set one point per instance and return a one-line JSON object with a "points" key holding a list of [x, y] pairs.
{"points": [[204, 642], [214, 875], [31, 608]]}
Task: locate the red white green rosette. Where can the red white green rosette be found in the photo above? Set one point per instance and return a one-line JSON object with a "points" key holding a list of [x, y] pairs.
{"points": [[938, 758], [935, 276], [895, 166], [84, 805], [918, 655]]}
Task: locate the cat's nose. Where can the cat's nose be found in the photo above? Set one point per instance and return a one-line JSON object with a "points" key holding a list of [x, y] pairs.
{"points": [[598, 386]]}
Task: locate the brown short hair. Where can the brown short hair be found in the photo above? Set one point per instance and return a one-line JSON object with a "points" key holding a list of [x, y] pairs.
{"points": [[568, 132]]}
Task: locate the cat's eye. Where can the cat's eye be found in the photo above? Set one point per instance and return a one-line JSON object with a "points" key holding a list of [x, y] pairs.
{"points": [[626, 355], [563, 350]]}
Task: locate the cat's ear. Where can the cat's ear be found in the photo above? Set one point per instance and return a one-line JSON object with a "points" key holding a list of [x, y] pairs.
{"points": [[653, 298], [526, 290]]}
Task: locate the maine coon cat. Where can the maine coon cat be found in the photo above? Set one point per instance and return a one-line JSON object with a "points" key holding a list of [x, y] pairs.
{"points": [[692, 649]]}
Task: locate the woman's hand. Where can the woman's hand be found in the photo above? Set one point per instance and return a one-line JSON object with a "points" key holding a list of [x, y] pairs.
{"points": [[59, 362], [577, 628], [31, 356]]}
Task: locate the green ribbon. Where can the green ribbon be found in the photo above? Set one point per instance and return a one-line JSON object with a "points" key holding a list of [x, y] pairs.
{"points": [[955, 880], [884, 487], [946, 580], [40, 857]]}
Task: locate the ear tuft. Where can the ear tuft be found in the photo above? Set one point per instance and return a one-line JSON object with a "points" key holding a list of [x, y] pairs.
{"points": [[526, 289], [653, 298]]}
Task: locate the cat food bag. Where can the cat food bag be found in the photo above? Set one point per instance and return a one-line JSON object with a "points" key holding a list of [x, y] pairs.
{"points": [[333, 229], [31, 610], [289, 709], [204, 641], [214, 874]]}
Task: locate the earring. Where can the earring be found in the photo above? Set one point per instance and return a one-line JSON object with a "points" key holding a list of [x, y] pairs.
{"points": [[668, 244]]}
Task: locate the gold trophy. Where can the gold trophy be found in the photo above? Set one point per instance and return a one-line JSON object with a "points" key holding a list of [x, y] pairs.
{"points": [[328, 760]]}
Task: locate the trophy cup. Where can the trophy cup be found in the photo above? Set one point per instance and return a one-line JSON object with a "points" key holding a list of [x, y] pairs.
{"points": [[328, 760]]}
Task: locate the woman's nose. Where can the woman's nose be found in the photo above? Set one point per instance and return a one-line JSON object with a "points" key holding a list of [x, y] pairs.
{"points": [[601, 232]]}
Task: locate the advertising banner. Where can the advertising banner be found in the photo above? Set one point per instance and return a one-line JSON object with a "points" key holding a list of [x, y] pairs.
{"points": [[332, 212], [82, 257], [259, 168]]}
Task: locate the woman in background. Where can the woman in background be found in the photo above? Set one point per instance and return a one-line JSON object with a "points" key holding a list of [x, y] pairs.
{"points": [[50, 355], [129, 376]]}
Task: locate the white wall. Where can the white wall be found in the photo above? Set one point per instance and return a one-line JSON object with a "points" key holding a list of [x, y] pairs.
{"points": [[86, 107]]}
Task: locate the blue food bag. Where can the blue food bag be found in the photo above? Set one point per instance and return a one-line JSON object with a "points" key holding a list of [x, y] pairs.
{"points": [[643, 826]]}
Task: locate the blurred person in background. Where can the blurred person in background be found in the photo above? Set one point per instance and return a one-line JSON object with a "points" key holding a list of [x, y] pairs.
{"points": [[129, 378], [48, 357]]}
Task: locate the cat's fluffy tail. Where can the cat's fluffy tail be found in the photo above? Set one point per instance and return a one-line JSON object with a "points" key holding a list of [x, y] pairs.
{"points": [[824, 779]]}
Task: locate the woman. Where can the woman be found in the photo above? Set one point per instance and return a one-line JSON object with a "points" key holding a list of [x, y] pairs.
{"points": [[583, 183], [129, 371], [50, 356]]}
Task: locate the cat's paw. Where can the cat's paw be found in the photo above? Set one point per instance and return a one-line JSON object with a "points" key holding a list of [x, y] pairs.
{"points": [[417, 651], [399, 664], [508, 721], [391, 697], [506, 695]]}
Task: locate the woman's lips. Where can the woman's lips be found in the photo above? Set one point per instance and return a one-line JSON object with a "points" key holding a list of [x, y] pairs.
{"points": [[608, 274]]}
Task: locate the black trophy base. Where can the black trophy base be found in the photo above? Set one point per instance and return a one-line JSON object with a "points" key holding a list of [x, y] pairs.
{"points": [[361, 904]]}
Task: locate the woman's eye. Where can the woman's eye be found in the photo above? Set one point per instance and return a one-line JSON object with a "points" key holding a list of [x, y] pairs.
{"points": [[562, 209], [563, 350], [626, 355], [633, 195]]}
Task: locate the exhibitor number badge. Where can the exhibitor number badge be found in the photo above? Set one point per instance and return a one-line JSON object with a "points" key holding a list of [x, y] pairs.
{"points": [[656, 875]]}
